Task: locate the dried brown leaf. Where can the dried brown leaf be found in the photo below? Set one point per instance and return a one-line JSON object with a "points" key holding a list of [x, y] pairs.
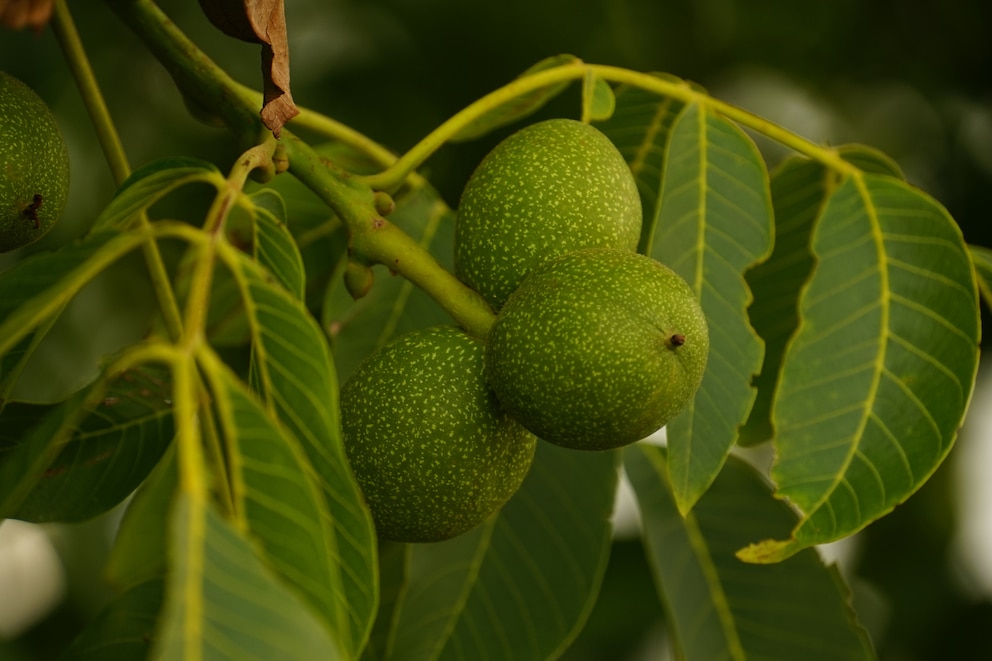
{"points": [[262, 22], [18, 14]]}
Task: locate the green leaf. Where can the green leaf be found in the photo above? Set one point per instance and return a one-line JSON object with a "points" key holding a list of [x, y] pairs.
{"points": [[878, 377], [139, 551], [982, 259], [13, 362], [598, 100], [799, 188], [522, 585], [88, 454], [227, 323], [320, 237], [639, 128], [721, 608], [520, 106], [109, 452], [870, 159], [714, 222], [29, 439], [123, 630], [394, 565], [295, 377], [274, 246], [38, 287], [150, 183], [222, 602], [393, 306], [260, 232], [277, 493]]}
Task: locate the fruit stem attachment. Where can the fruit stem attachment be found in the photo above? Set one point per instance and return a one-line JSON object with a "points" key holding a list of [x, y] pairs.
{"points": [[375, 240], [385, 243], [676, 340]]}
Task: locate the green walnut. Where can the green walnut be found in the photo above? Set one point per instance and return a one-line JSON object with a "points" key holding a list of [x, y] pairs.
{"points": [[548, 189], [434, 452], [597, 349], [35, 173]]}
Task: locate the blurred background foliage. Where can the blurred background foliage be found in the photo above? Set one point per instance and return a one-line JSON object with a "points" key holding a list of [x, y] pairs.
{"points": [[911, 78]]}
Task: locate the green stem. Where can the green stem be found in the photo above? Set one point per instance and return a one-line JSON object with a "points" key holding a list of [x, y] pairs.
{"points": [[113, 149], [199, 296], [396, 173], [351, 199], [204, 84], [387, 244], [374, 240], [393, 176], [682, 91], [75, 55]]}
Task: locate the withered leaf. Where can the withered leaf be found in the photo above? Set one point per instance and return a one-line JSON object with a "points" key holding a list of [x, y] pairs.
{"points": [[262, 22], [17, 14]]}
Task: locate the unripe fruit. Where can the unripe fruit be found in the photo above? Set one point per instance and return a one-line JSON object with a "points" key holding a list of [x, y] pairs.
{"points": [[548, 189], [432, 449], [34, 166], [598, 349]]}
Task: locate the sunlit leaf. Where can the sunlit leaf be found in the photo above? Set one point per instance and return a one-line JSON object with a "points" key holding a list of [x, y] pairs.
{"points": [[878, 377], [639, 128], [295, 377], [150, 183], [714, 222], [522, 585], [87, 454], [520, 106], [279, 497], [718, 607], [123, 630], [222, 602], [799, 190]]}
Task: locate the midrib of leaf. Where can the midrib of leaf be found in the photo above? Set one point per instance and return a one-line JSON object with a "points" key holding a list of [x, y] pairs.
{"points": [[697, 284], [859, 427], [722, 166], [226, 388], [879, 365], [193, 575], [653, 129], [638, 163], [249, 278], [698, 542]]}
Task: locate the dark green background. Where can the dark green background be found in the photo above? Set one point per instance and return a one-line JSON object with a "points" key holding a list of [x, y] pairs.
{"points": [[911, 78]]}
